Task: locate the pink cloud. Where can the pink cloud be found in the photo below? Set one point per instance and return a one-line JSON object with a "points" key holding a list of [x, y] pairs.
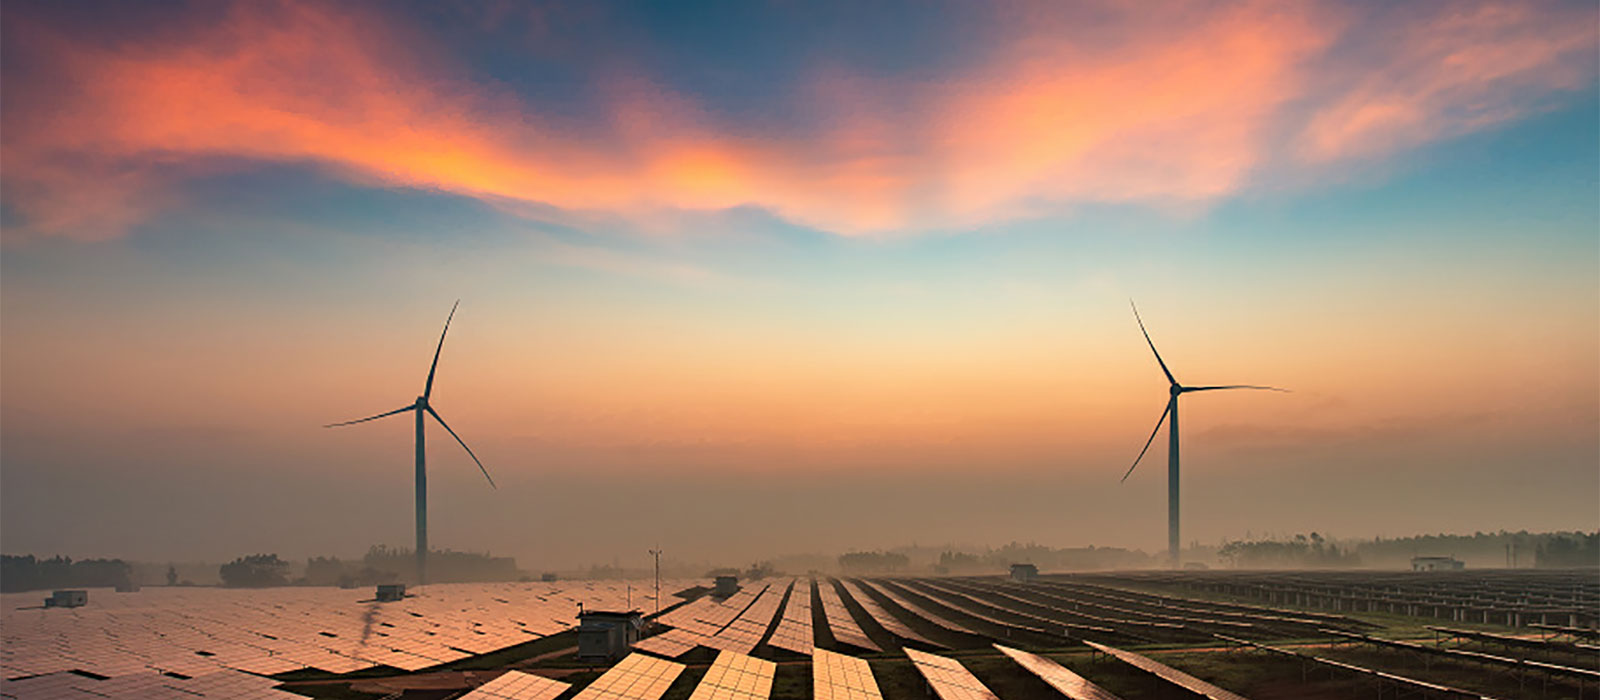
{"points": [[1176, 107], [1458, 68]]}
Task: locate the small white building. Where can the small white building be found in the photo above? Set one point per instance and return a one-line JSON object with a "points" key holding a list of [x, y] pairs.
{"points": [[605, 636], [67, 599], [1437, 564], [1023, 573]]}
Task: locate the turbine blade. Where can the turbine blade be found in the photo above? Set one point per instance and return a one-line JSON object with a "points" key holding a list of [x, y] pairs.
{"points": [[1146, 333], [363, 420], [428, 390], [1188, 389], [1152, 439], [474, 457]]}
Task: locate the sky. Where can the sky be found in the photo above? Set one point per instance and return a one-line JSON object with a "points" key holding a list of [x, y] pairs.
{"points": [[752, 278]]}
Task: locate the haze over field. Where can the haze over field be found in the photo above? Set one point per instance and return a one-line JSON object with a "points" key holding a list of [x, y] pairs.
{"points": [[748, 279]]}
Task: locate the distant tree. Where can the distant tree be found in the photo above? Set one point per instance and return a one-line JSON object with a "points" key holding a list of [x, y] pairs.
{"points": [[1578, 549], [255, 571], [862, 562], [172, 575], [27, 573], [324, 571]]}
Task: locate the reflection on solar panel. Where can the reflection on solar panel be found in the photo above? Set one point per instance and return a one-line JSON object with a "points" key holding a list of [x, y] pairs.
{"points": [[198, 632], [888, 621], [516, 685], [915, 609], [1168, 673], [1070, 684], [949, 680], [736, 677], [840, 677], [794, 628], [840, 621], [637, 677]]}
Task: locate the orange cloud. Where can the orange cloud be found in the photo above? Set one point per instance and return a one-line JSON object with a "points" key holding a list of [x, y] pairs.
{"points": [[1179, 109]]}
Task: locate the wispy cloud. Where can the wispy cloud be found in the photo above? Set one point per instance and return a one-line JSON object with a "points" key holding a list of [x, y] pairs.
{"points": [[1175, 107]]}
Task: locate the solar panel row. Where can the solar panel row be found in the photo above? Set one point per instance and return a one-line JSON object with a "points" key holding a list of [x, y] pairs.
{"points": [[1168, 674], [1072, 685], [883, 618], [637, 677], [794, 628], [735, 676], [949, 679], [841, 623], [965, 603], [838, 677], [72, 686], [516, 685], [745, 632], [916, 609]]}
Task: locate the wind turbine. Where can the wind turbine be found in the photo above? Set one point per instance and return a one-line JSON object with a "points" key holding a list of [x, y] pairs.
{"points": [[1174, 390], [420, 407]]}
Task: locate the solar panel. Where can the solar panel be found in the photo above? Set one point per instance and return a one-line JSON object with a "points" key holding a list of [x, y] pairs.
{"points": [[637, 677], [736, 677], [949, 679], [839, 677], [1168, 673], [841, 623], [1072, 685], [884, 618], [745, 632], [794, 628], [516, 685]]}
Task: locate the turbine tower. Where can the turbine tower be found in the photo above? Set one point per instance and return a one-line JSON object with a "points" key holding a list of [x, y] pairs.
{"points": [[1174, 390], [420, 407]]}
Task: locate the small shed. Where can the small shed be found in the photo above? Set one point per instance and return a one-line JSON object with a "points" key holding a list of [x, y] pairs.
{"points": [[1437, 564], [390, 592], [1023, 573], [726, 586], [605, 636], [67, 599]]}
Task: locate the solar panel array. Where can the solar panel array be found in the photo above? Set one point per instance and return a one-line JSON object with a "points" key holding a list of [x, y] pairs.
{"points": [[843, 625], [169, 634], [736, 676], [516, 685], [839, 677], [888, 621], [794, 628], [65, 685], [637, 677], [949, 679], [1072, 685]]}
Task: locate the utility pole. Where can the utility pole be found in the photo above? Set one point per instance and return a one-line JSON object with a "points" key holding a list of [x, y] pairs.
{"points": [[657, 554]]}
